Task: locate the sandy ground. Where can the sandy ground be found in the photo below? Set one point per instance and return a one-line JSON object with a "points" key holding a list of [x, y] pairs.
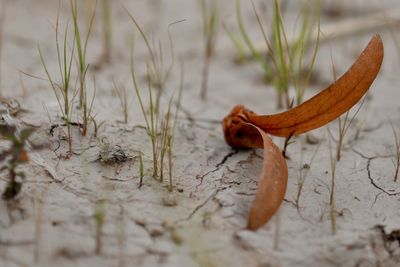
{"points": [[202, 222]]}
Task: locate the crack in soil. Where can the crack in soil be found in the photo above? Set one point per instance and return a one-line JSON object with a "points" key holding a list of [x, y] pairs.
{"points": [[226, 157], [196, 209], [375, 184], [201, 205], [217, 167], [372, 181], [370, 158], [201, 177]]}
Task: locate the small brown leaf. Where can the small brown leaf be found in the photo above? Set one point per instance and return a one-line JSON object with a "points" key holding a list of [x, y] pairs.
{"points": [[271, 186]]}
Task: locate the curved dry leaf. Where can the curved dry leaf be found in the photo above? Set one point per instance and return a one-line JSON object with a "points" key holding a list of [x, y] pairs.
{"points": [[245, 129], [314, 113], [271, 186]]}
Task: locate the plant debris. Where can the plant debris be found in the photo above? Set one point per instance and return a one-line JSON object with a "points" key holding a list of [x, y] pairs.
{"points": [[245, 129], [110, 154], [271, 187]]}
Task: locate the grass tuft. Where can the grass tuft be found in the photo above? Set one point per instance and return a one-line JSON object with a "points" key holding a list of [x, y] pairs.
{"points": [[160, 123], [81, 43], [68, 49], [284, 64], [62, 90]]}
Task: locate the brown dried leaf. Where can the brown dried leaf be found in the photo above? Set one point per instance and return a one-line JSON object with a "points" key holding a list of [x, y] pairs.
{"points": [[271, 186], [245, 129], [314, 113]]}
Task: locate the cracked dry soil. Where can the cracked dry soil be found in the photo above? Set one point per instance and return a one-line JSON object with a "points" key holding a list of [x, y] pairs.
{"points": [[201, 223]]}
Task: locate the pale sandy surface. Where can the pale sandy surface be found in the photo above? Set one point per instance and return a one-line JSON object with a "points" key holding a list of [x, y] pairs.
{"points": [[202, 224]]}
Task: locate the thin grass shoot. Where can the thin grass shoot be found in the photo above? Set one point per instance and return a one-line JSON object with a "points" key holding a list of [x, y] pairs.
{"points": [[210, 16]]}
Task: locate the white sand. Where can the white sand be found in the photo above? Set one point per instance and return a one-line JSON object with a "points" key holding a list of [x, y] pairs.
{"points": [[204, 224]]}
